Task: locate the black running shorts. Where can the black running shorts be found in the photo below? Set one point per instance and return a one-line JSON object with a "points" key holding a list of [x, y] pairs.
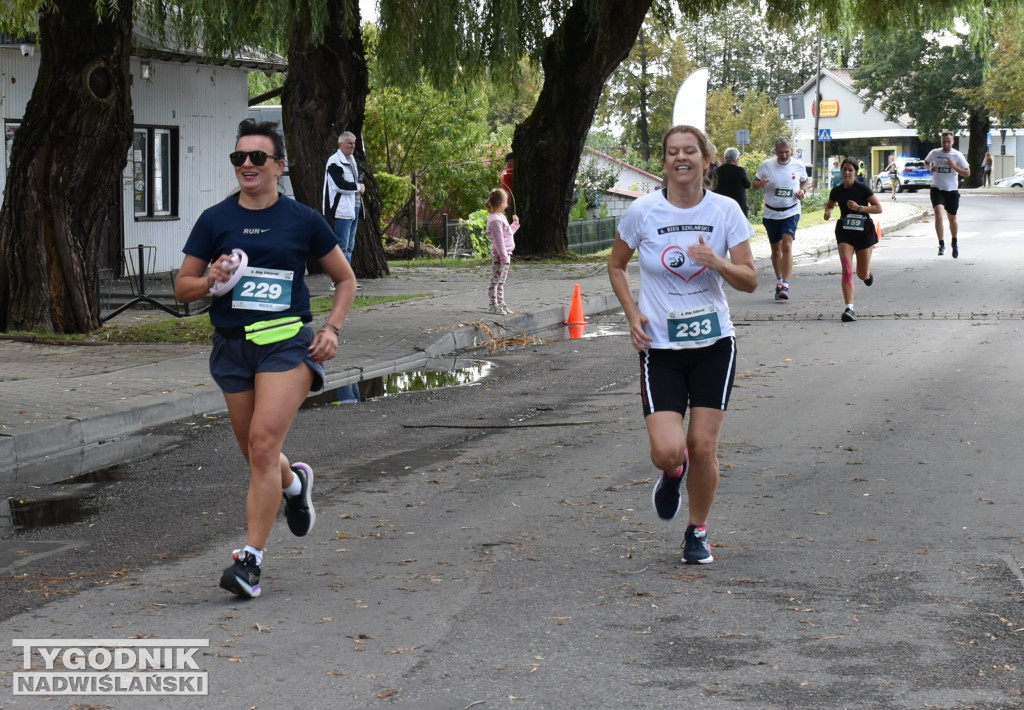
{"points": [[950, 199], [699, 377]]}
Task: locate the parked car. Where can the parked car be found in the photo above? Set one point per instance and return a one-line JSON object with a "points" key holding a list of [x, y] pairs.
{"points": [[913, 176], [1015, 180]]}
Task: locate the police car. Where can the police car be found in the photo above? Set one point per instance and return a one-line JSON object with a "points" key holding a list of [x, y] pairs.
{"points": [[1015, 180], [913, 174]]}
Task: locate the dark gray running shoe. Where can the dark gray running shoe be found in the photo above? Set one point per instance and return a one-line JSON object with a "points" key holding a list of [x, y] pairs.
{"points": [[243, 577], [696, 550], [298, 510], [666, 497]]}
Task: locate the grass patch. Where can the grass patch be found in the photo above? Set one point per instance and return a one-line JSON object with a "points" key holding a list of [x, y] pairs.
{"points": [[191, 330], [446, 263]]}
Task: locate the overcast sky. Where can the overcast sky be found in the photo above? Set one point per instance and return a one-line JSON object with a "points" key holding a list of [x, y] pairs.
{"points": [[368, 10]]}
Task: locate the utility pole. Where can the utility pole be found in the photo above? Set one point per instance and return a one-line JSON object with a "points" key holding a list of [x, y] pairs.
{"points": [[817, 115], [415, 216]]}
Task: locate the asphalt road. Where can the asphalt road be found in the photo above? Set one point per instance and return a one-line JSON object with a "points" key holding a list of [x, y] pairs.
{"points": [[493, 545]]}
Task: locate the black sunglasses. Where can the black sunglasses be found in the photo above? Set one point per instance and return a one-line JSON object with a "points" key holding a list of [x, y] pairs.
{"points": [[257, 157]]}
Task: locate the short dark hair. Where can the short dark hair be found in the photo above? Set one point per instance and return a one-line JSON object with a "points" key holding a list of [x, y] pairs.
{"points": [[510, 156], [252, 127]]}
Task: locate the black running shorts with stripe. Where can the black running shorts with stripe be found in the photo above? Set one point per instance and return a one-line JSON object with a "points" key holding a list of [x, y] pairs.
{"points": [[671, 380]]}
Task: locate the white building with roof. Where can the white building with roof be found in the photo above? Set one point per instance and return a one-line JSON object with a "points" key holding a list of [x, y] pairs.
{"points": [[631, 182], [866, 134], [186, 114]]}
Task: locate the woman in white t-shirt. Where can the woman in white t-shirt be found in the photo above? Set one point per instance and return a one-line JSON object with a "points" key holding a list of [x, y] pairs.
{"points": [[690, 241]]}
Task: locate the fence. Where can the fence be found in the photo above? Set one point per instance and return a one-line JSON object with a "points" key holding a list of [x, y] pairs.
{"points": [[585, 236]]}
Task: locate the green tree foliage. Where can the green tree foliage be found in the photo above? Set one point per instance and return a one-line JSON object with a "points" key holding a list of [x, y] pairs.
{"points": [[443, 135], [593, 179], [756, 112], [511, 98], [578, 43], [640, 93], [751, 51], [923, 76], [935, 78], [260, 84], [1003, 87], [394, 194]]}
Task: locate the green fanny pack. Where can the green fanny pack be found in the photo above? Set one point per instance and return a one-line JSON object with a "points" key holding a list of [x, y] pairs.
{"points": [[266, 332]]}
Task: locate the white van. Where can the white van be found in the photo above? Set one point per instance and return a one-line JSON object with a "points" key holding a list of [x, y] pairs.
{"points": [[273, 113]]}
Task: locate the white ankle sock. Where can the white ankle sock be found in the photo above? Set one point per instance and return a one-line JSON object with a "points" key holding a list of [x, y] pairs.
{"points": [[258, 554], [295, 487]]}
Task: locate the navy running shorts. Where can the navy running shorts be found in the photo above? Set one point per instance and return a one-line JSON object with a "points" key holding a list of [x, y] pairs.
{"points": [[777, 227], [234, 362], [950, 199], [699, 377]]}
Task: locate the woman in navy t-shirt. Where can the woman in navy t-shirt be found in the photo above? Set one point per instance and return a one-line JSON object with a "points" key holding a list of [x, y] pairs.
{"points": [[265, 357]]}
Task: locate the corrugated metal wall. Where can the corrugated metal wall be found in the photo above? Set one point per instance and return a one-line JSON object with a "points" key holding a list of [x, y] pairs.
{"points": [[203, 103], [17, 76]]}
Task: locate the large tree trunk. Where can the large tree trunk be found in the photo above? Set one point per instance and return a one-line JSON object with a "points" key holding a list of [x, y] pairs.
{"points": [[978, 123], [578, 59], [61, 176], [325, 94]]}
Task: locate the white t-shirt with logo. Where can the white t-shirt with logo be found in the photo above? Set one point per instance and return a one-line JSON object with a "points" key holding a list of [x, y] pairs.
{"points": [[780, 200], [685, 303], [943, 176]]}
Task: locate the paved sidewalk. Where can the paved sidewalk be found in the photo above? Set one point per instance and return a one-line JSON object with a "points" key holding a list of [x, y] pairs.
{"points": [[66, 410]]}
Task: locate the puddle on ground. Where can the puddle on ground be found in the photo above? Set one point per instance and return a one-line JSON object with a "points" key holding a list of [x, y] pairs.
{"points": [[66, 501], [68, 505], [602, 326], [444, 374]]}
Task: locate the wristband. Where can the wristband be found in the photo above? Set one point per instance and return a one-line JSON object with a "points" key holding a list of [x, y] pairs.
{"points": [[332, 327]]}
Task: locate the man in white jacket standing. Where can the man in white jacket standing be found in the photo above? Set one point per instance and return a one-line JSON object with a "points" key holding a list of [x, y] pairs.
{"points": [[341, 186]]}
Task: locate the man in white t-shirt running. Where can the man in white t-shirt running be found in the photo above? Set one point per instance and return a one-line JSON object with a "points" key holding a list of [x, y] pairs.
{"points": [[947, 165], [784, 181]]}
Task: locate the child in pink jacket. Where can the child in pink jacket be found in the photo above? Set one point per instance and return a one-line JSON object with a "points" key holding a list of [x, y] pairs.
{"points": [[502, 245]]}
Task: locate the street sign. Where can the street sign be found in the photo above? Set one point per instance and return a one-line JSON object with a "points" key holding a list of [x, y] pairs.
{"points": [[825, 135], [791, 106], [743, 136]]}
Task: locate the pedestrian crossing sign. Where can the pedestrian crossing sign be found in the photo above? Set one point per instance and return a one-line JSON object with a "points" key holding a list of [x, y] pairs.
{"points": [[825, 135]]}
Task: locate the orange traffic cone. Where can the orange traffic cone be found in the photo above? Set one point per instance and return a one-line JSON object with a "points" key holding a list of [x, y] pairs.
{"points": [[576, 309], [878, 230]]}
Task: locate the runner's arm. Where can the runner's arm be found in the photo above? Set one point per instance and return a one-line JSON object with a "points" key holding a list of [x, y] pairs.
{"points": [[618, 274], [194, 281], [325, 342]]}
